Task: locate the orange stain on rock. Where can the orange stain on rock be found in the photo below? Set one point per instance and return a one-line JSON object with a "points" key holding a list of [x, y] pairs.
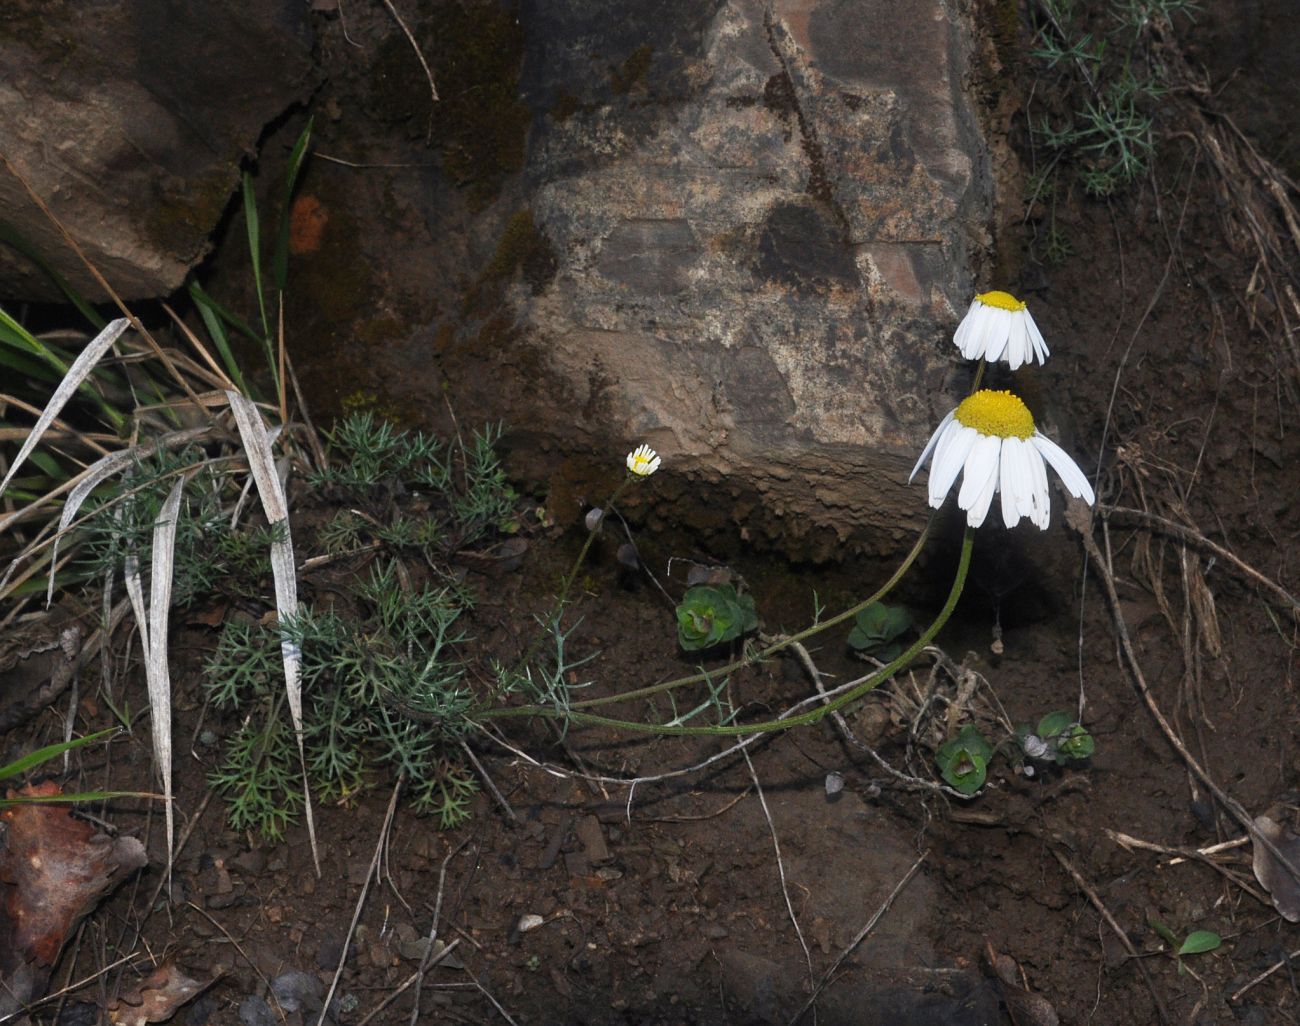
{"points": [[307, 220]]}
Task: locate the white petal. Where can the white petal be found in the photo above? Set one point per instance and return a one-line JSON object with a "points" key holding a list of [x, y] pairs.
{"points": [[929, 446], [981, 464], [949, 458], [1071, 476], [1036, 337], [995, 339], [980, 507], [1008, 484], [1039, 492], [1018, 345], [965, 329]]}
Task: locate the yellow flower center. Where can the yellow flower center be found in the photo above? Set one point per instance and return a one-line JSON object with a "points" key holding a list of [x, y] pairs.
{"points": [[1001, 300], [999, 414]]}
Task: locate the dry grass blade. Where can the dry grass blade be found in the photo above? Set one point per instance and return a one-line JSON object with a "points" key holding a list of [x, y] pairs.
{"points": [[94, 475], [77, 374], [261, 461], [151, 621]]}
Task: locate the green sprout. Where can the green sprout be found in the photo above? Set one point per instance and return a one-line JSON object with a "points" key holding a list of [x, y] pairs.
{"points": [[1198, 942], [711, 614], [876, 628], [1059, 738], [964, 761]]}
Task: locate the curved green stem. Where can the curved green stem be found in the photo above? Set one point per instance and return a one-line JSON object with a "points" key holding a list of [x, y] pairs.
{"points": [[979, 376], [586, 546], [771, 726], [749, 660]]}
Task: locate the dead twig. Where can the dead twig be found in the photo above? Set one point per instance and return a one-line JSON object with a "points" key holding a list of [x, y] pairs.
{"points": [[416, 978], [1079, 517], [1238, 994], [1181, 855], [1198, 539], [780, 869], [1104, 912], [428, 72], [492, 788], [361, 898], [430, 959], [861, 936], [915, 783]]}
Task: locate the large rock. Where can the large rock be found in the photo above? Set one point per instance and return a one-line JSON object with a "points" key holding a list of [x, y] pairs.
{"points": [[130, 119], [761, 240], [738, 231]]}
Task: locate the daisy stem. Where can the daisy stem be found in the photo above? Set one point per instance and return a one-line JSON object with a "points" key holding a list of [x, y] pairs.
{"points": [[586, 546], [979, 376], [759, 656], [575, 715]]}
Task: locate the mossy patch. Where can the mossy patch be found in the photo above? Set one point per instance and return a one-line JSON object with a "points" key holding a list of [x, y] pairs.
{"points": [[183, 213], [1006, 33], [480, 123], [626, 75], [521, 248]]}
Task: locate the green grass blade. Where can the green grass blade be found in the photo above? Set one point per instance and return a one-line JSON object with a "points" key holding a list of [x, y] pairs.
{"points": [[74, 799], [14, 333], [280, 260], [255, 249], [217, 333], [14, 238], [230, 318], [34, 759], [13, 357], [19, 336]]}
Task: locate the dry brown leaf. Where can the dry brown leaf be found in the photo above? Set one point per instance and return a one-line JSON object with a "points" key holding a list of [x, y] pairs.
{"points": [[1271, 874], [1024, 1006], [156, 997], [53, 871]]}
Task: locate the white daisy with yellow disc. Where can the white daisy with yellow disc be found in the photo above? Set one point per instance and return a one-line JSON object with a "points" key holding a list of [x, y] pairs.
{"points": [[991, 440], [998, 326], [642, 461]]}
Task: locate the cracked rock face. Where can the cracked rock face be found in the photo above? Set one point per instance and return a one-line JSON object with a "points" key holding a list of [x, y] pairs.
{"points": [[759, 217]]}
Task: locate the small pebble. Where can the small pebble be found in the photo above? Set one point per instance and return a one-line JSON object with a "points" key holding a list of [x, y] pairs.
{"points": [[253, 1011]]}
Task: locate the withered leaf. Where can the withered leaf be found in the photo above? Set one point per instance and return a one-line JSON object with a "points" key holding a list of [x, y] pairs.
{"points": [[53, 870], [1024, 1006], [156, 997], [1274, 877]]}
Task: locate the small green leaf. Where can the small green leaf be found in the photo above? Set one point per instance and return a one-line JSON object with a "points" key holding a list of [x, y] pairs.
{"points": [[964, 760], [878, 625], [712, 614], [1076, 744], [1200, 941], [1164, 931], [1054, 724]]}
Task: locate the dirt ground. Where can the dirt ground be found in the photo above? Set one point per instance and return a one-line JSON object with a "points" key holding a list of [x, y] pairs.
{"points": [[726, 894]]}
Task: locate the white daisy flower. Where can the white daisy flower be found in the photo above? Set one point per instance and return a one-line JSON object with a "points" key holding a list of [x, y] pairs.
{"points": [[992, 439], [642, 461], [998, 327]]}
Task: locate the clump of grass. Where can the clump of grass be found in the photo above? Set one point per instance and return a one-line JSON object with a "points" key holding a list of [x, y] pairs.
{"points": [[373, 462], [383, 689], [1096, 122]]}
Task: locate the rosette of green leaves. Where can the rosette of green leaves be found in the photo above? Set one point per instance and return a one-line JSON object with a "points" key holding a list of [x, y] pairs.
{"points": [[710, 614], [964, 761], [1059, 737], [876, 628]]}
